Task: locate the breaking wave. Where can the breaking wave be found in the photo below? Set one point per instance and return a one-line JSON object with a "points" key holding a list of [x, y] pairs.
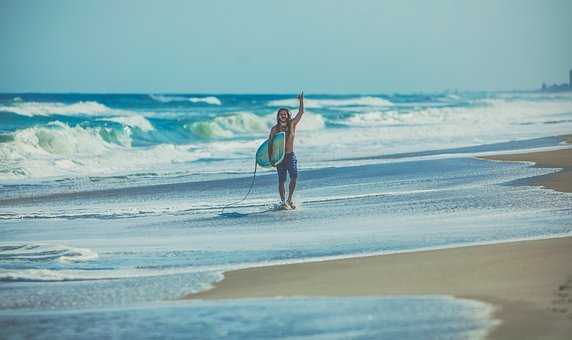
{"points": [[228, 126], [169, 99], [485, 112], [40, 253], [246, 123], [134, 121], [31, 109], [61, 139], [321, 103], [58, 149]]}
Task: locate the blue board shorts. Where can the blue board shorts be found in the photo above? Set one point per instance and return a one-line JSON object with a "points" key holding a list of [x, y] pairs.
{"points": [[289, 164]]}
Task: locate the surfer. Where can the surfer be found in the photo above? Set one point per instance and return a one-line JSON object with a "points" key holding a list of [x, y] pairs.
{"points": [[285, 123]]}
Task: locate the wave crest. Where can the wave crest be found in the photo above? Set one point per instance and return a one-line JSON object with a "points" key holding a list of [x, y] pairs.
{"points": [[61, 150], [228, 126], [61, 139], [57, 147], [169, 99], [134, 121], [246, 123], [31, 109]]}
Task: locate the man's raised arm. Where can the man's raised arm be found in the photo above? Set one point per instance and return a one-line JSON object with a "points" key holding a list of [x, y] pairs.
{"points": [[296, 119]]}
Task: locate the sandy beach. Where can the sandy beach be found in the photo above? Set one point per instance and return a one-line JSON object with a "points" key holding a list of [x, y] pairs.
{"points": [[529, 282]]}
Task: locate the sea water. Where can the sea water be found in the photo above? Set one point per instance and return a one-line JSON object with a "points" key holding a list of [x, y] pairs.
{"points": [[111, 205], [421, 317]]}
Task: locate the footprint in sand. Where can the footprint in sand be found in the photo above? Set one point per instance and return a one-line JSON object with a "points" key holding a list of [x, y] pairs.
{"points": [[562, 299]]}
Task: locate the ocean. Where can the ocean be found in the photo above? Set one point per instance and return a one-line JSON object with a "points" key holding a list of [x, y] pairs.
{"points": [[111, 206]]}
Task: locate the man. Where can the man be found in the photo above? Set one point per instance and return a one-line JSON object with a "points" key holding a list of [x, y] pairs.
{"points": [[285, 123]]}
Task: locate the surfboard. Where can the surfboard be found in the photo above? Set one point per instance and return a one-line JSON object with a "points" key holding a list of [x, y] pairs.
{"points": [[278, 151]]}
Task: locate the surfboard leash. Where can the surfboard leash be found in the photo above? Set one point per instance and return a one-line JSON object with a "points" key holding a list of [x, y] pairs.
{"points": [[249, 189]]}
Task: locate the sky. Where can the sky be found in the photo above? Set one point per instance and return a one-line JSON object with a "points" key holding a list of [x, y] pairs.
{"points": [[264, 46]]}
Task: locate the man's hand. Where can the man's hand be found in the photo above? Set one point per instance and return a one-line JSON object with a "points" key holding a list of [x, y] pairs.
{"points": [[296, 119]]}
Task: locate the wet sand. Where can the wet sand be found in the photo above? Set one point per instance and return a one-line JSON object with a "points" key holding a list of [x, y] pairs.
{"points": [[560, 181], [529, 282]]}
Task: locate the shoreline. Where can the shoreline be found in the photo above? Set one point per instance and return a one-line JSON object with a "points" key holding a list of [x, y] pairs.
{"points": [[528, 282], [559, 181]]}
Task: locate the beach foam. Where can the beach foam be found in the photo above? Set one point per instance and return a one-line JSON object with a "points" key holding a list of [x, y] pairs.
{"points": [[44, 253], [36, 275], [61, 275]]}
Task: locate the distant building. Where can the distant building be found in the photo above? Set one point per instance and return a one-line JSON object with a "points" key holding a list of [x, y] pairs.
{"points": [[558, 87]]}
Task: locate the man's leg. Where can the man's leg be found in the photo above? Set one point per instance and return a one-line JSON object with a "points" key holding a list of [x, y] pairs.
{"points": [[291, 188], [293, 172], [281, 181], [281, 189]]}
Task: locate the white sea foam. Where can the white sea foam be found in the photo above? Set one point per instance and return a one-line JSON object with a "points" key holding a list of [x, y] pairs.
{"points": [[384, 132], [45, 253], [376, 118], [47, 275], [36, 275], [228, 126], [31, 109], [134, 121], [168, 99], [484, 112], [321, 103]]}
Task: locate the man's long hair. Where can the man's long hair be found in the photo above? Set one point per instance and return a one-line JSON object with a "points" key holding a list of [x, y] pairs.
{"points": [[288, 123]]}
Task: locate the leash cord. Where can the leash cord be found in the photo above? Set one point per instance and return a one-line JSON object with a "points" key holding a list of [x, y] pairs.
{"points": [[249, 190]]}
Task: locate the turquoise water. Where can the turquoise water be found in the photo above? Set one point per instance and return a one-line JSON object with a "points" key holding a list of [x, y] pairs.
{"points": [[111, 205]]}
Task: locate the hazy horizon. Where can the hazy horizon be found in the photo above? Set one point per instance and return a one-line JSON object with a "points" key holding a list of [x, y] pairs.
{"points": [[260, 47], [293, 92]]}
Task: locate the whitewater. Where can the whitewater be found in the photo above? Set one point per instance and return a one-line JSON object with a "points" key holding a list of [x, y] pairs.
{"points": [[43, 136]]}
